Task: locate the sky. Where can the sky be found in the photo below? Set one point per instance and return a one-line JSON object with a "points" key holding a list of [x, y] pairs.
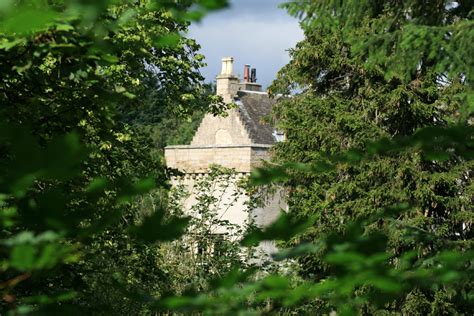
{"points": [[254, 32]]}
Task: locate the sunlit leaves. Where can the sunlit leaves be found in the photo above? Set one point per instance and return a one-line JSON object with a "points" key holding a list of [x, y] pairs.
{"points": [[69, 67], [44, 251], [168, 40]]}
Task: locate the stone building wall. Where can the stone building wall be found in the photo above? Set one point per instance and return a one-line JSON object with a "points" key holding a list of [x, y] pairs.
{"points": [[233, 207], [230, 207], [197, 158]]}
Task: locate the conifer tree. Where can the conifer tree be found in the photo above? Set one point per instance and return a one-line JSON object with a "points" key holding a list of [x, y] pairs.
{"points": [[368, 70]]}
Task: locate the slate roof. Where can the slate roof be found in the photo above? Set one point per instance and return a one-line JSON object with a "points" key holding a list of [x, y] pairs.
{"points": [[254, 107]]}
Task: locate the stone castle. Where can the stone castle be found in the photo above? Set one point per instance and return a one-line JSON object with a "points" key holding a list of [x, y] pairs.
{"points": [[240, 140]]}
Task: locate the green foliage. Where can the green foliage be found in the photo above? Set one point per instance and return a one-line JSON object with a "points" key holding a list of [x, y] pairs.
{"points": [[402, 39], [72, 235], [210, 247], [382, 119], [174, 126], [362, 278], [377, 162]]}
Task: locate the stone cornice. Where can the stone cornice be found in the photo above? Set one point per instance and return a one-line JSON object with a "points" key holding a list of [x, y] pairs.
{"points": [[218, 146]]}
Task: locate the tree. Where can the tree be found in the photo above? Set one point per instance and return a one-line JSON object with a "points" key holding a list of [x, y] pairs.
{"points": [[71, 163], [371, 70]]}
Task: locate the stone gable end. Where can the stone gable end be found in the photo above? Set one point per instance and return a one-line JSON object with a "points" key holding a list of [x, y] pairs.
{"points": [[222, 130]]}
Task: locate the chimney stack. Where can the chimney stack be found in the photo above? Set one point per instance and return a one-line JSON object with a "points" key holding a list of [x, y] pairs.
{"points": [[227, 66], [253, 75], [250, 80], [247, 73], [227, 83]]}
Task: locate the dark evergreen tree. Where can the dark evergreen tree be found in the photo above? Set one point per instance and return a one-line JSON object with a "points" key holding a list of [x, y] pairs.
{"points": [[368, 70]]}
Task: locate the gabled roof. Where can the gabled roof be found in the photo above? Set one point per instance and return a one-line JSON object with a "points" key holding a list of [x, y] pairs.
{"points": [[254, 107]]}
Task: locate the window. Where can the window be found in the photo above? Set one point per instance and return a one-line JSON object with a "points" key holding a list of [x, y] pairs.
{"points": [[278, 136]]}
